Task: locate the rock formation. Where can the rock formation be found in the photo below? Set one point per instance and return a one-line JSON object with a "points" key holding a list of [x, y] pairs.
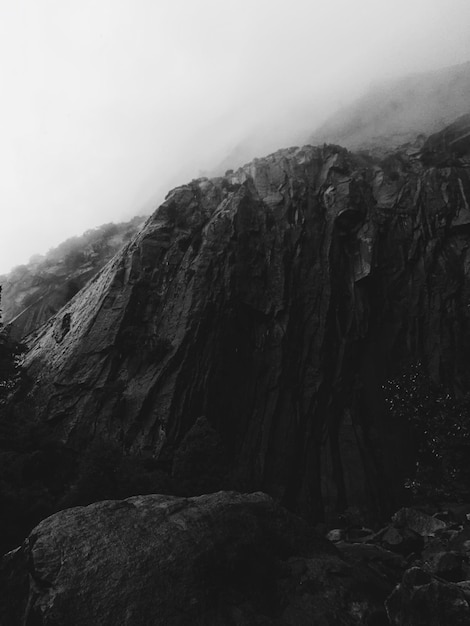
{"points": [[228, 558], [34, 292], [276, 301], [220, 559], [428, 550]]}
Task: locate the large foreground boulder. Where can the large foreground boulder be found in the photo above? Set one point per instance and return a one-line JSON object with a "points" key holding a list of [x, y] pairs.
{"points": [[218, 559]]}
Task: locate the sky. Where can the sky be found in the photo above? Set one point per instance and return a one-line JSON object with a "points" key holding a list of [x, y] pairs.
{"points": [[107, 104]]}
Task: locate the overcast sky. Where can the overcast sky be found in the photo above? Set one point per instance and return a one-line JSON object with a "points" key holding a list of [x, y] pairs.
{"points": [[106, 104]]}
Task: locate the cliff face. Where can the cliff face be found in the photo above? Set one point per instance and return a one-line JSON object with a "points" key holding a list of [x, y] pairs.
{"points": [[276, 301], [32, 293]]}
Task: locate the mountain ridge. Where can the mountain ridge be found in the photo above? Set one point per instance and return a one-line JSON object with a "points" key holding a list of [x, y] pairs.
{"points": [[248, 298], [299, 326], [33, 292]]}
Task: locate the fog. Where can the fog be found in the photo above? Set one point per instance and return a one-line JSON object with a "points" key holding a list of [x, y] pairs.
{"points": [[106, 104]]}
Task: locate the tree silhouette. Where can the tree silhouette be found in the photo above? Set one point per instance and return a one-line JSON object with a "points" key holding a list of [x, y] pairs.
{"points": [[441, 425], [11, 352]]}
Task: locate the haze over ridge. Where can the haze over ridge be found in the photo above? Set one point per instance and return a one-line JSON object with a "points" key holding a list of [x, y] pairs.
{"points": [[109, 104]]}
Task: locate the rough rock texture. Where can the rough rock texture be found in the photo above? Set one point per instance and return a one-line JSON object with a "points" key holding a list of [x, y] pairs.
{"points": [[419, 522], [276, 301], [431, 576], [221, 559], [424, 599], [33, 293]]}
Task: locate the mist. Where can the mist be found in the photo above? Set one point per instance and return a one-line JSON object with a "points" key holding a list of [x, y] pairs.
{"points": [[106, 105]]}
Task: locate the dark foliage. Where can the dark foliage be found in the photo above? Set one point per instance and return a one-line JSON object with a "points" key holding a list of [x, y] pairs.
{"points": [[441, 424], [40, 475], [106, 473], [200, 462], [11, 353]]}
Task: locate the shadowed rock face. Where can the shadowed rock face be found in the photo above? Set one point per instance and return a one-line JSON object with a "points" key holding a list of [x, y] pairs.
{"points": [[220, 559], [276, 301]]}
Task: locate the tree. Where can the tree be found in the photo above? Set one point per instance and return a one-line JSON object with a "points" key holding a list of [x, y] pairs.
{"points": [[441, 425], [11, 353]]}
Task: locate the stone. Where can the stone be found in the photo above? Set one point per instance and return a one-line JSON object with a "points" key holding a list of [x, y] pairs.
{"points": [[447, 565], [389, 565], [446, 516], [401, 540], [421, 523], [218, 559], [460, 540], [360, 534], [423, 599], [336, 534]]}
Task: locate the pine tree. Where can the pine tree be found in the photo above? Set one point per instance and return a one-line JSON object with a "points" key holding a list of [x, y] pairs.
{"points": [[11, 352]]}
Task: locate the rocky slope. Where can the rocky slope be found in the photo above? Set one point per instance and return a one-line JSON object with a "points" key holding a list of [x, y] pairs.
{"points": [[236, 559], [276, 301], [400, 111], [32, 293]]}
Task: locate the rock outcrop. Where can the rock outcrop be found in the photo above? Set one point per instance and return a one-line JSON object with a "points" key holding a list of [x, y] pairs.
{"points": [[33, 293], [276, 301], [220, 559], [426, 550]]}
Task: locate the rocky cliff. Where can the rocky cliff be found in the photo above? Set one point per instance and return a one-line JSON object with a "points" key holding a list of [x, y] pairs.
{"points": [[32, 293], [276, 301]]}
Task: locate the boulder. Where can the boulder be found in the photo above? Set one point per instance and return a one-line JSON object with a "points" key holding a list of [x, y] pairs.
{"points": [[422, 599], [401, 540], [389, 565], [336, 534], [419, 522], [448, 554], [447, 565], [218, 559]]}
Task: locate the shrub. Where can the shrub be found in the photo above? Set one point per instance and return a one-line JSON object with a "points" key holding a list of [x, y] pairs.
{"points": [[106, 473], [200, 462], [11, 353], [441, 425]]}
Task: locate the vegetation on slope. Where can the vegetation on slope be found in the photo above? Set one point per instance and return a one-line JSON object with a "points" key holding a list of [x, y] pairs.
{"points": [[35, 291]]}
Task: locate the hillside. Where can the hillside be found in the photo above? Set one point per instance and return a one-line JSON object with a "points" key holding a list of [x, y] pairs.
{"points": [[218, 426], [32, 293], [277, 302]]}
